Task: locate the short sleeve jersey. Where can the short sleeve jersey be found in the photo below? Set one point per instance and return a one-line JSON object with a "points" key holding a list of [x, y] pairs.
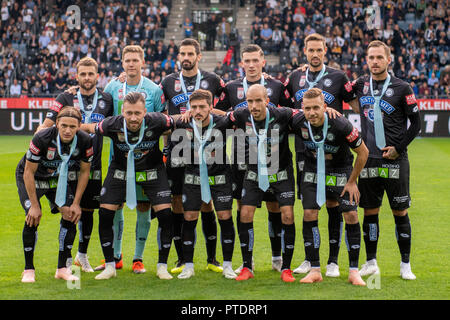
{"points": [[154, 97], [147, 154], [102, 110], [341, 136], [44, 151], [396, 104]]}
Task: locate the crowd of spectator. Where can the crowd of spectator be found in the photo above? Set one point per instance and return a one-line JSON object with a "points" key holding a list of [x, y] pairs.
{"points": [[418, 32], [39, 49], [40, 45]]}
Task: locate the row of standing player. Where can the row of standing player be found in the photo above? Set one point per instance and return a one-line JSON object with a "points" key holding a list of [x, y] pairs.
{"points": [[277, 93]]}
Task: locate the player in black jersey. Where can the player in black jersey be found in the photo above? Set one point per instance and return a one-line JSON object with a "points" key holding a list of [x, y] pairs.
{"points": [[336, 88], [204, 135], [334, 138], [95, 105], [266, 129], [137, 159], [233, 98], [51, 166], [386, 105], [177, 88]]}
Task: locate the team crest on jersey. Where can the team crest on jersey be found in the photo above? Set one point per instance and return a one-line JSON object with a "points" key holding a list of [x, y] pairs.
{"points": [[327, 82], [204, 84], [149, 133], [76, 103], [269, 91], [389, 92], [305, 133], [182, 110], [366, 87], [144, 95], [51, 153], [302, 81], [76, 152], [240, 93], [101, 104], [177, 86], [330, 136], [120, 94], [121, 136]]}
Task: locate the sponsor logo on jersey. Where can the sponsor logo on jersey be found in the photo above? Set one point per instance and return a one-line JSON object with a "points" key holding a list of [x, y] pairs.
{"points": [[35, 150], [329, 98], [411, 99], [89, 152], [348, 86], [353, 135], [56, 106], [51, 153], [181, 98], [369, 100]]}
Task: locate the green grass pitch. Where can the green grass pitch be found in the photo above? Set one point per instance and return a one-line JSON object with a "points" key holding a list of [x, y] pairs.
{"points": [[429, 214]]}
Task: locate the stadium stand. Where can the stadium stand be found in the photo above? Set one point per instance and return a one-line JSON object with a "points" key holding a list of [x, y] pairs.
{"points": [[39, 52]]}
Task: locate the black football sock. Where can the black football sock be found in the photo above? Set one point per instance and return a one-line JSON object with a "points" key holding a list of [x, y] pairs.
{"points": [[85, 226], [209, 227], [106, 233], [274, 225], [403, 234], [165, 234], [178, 220], [371, 232], [189, 237], [246, 237], [353, 241], [29, 238], [288, 241], [335, 223], [67, 232], [311, 239], [227, 237]]}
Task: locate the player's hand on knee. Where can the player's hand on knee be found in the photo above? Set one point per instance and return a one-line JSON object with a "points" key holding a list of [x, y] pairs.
{"points": [[74, 213], [353, 192], [33, 217]]}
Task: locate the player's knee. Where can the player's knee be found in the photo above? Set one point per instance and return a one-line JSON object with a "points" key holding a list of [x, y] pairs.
{"points": [[224, 215], [190, 215], [351, 217], [310, 215], [399, 213]]}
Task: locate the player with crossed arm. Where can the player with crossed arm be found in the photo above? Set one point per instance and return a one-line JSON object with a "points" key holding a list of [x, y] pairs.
{"points": [[386, 104], [94, 105], [328, 174], [137, 159], [336, 88], [50, 167], [233, 98], [132, 63]]}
